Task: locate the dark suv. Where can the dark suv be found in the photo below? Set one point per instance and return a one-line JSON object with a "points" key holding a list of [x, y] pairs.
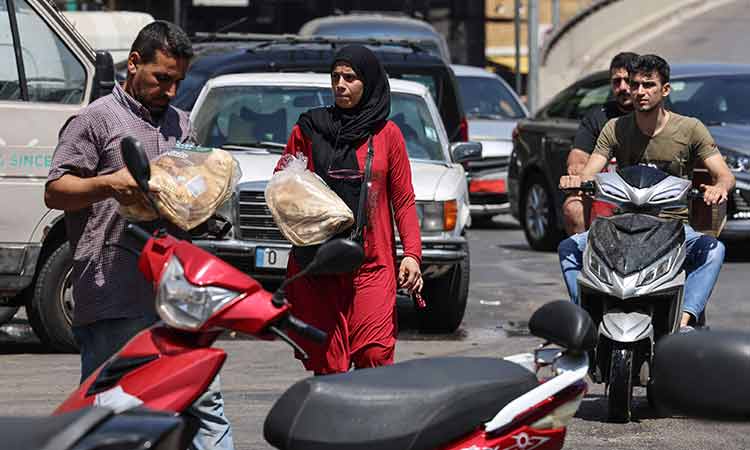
{"points": [[714, 93], [401, 59]]}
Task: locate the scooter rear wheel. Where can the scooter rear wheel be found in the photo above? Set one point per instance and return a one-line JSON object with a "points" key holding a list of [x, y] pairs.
{"points": [[620, 385]]}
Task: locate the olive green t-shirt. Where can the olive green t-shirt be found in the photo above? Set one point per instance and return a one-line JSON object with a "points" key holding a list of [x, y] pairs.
{"points": [[675, 149]]}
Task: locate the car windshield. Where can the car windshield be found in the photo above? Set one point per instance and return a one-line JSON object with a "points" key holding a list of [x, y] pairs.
{"points": [[715, 100], [263, 116], [485, 97]]}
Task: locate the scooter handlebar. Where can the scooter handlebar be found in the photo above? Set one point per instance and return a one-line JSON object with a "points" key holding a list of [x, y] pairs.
{"points": [[305, 329], [695, 193], [587, 187], [138, 232]]}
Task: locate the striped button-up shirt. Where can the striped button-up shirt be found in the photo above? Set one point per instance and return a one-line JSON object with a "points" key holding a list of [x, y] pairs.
{"points": [[105, 278]]}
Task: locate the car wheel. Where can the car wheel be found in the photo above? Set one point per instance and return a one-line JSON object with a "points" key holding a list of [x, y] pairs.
{"points": [[446, 298], [7, 313], [50, 310], [538, 216]]}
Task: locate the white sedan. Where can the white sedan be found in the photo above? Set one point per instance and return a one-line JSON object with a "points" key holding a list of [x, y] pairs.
{"points": [[253, 114]]}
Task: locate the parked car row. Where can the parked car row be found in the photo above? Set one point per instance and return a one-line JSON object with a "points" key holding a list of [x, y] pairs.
{"points": [[252, 114], [37, 258], [714, 93]]}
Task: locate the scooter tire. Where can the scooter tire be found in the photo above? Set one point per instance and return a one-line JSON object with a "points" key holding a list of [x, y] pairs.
{"points": [[620, 392]]}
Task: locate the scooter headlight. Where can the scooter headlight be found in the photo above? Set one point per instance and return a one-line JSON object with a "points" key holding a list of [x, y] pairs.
{"points": [[184, 305], [598, 268], [658, 269]]}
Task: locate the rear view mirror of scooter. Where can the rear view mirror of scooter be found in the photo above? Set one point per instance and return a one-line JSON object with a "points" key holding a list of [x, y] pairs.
{"points": [[704, 374], [136, 161], [337, 256], [139, 167]]}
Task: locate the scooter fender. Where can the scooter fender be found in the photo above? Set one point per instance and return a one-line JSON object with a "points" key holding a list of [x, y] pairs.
{"points": [[626, 327]]}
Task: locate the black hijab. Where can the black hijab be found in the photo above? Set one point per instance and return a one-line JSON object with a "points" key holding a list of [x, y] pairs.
{"points": [[336, 133]]}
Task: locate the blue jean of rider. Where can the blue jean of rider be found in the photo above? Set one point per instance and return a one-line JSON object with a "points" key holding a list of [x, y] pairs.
{"points": [[102, 339], [705, 254]]}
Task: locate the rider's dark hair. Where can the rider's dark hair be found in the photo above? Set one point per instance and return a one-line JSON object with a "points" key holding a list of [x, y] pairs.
{"points": [[164, 36], [621, 61], [647, 64]]}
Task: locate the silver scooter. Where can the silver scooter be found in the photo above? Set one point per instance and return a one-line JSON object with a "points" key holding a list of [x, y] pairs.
{"points": [[632, 280]]}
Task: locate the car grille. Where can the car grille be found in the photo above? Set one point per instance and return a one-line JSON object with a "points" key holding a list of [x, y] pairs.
{"points": [[489, 164], [741, 208], [256, 222]]}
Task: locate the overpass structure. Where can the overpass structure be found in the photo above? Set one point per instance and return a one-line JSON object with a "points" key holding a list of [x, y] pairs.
{"points": [[588, 41]]}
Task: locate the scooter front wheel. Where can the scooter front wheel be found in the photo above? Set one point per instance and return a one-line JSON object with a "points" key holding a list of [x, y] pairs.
{"points": [[620, 384]]}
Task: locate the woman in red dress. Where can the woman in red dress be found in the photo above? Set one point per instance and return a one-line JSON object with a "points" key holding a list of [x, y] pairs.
{"points": [[358, 310]]}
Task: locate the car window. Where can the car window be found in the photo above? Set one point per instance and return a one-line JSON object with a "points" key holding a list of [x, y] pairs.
{"points": [[9, 85], [53, 73], [576, 101], [424, 79], [487, 97], [713, 99], [242, 115], [411, 115]]}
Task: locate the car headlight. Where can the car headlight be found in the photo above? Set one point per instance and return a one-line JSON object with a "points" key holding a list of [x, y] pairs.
{"points": [[437, 216], [658, 269], [184, 305], [737, 162], [598, 268]]}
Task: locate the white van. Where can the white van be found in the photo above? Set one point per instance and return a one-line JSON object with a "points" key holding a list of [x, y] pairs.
{"points": [[111, 31], [49, 73]]}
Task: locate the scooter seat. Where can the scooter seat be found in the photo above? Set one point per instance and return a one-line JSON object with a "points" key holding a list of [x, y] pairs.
{"points": [[50, 433], [418, 404]]}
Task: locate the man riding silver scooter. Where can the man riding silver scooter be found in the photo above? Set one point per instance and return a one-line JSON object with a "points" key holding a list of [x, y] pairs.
{"points": [[646, 272]]}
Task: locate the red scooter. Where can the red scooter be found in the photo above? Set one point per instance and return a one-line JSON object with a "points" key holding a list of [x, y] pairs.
{"points": [[432, 403]]}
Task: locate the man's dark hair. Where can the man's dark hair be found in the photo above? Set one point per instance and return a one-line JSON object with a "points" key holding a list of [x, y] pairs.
{"points": [[621, 61], [164, 36], [647, 64]]}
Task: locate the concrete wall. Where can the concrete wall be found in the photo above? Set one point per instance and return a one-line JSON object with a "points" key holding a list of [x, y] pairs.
{"points": [[605, 29]]}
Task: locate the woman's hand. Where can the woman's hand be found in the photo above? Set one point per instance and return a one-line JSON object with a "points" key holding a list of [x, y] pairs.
{"points": [[409, 275]]}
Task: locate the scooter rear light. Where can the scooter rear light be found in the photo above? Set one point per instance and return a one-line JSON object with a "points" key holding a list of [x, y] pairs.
{"points": [[561, 416], [184, 305], [553, 412]]}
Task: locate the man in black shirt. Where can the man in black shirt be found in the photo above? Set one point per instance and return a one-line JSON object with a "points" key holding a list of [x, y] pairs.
{"points": [[588, 132]]}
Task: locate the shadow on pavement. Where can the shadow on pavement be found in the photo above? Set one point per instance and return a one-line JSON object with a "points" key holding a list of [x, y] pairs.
{"points": [[737, 251], [502, 222], [20, 348], [594, 409]]}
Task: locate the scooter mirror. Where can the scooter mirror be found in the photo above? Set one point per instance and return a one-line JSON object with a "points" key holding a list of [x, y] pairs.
{"points": [[136, 161], [337, 256], [704, 374]]}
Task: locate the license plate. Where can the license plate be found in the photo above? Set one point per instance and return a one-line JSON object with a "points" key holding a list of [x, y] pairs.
{"points": [[271, 258]]}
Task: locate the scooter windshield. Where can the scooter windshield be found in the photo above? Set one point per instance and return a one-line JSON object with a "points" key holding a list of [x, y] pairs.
{"points": [[628, 243]]}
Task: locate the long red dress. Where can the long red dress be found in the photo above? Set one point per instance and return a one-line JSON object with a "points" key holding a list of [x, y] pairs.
{"points": [[358, 311]]}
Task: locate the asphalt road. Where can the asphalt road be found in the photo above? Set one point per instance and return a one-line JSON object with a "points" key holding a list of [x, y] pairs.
{"points": [[508, 282], [718, 35]]}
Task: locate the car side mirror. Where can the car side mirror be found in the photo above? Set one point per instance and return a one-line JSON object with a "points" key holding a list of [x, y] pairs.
{"points": [[104, 75], [704, 374], [462, 152], [136, 161], [337, 256]]}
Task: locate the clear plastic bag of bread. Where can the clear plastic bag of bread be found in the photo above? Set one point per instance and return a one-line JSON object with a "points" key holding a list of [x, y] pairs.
{"points": [[193, 182], [305, 209]]}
